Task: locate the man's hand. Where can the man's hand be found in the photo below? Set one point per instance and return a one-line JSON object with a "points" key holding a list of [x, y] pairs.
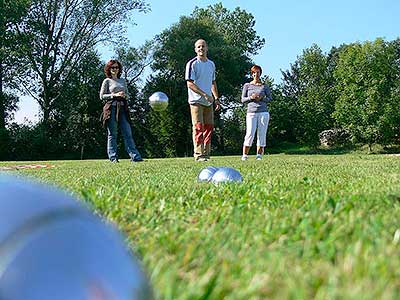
{"points": [[217, 105], [209, 98]]}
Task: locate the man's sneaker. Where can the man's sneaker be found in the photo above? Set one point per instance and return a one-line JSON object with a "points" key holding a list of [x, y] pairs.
{"points": [[258, 157], [244, 157], [114, 161]]}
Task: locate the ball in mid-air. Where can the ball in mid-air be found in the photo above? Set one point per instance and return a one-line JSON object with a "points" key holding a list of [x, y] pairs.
{"points": [[225, 175], [158, 101], [206, 174], [51, 247]]}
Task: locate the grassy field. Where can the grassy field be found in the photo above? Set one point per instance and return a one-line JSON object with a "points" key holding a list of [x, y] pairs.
{"points": [[298, 227]]}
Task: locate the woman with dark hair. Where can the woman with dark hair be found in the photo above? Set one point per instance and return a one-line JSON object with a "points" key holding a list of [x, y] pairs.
{"points": [[115, 111], [256, 95]]}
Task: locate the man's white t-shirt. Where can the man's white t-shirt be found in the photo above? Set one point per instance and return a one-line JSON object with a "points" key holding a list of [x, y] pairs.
{"points": [[203, 74]]}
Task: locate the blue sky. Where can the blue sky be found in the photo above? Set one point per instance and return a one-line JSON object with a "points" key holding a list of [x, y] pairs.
{"points": [[288, 27]]}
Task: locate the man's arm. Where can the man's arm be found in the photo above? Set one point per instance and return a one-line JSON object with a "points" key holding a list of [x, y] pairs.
{"points": [[214, 91]]}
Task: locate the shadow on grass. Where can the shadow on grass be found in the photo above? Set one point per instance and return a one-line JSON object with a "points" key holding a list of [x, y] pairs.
{"points": [[296, 149], [389, 149]]}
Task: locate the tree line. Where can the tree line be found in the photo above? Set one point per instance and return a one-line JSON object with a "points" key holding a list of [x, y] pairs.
{"points": [[48, 51]]}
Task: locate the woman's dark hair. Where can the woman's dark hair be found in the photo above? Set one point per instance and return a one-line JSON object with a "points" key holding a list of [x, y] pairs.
{"points": [[107, 68]]}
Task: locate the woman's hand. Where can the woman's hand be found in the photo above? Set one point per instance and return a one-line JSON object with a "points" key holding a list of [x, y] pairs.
{"points": [[120, 94], [255, 97]]}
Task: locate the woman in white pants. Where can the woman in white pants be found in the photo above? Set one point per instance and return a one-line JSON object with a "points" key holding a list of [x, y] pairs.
{"points": [[256, 95]]}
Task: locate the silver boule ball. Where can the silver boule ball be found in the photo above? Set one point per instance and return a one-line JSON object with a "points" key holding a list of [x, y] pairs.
{"points": [[226, 174], [158, 101], [206, 174], [52, 247]]}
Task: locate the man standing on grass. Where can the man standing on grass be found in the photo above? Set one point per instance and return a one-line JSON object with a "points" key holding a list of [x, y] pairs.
{"points": [[202, 93]]}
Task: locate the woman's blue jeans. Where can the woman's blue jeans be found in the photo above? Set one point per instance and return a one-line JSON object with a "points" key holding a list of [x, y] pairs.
{"points": [[126, 130]]}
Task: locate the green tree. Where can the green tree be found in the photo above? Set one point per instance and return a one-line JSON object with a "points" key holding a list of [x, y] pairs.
{"points": [[393, 111], [231, 39], [367, 76], [308, 99], [236, 27], [167, 133], [10, 12], [76, 130], [316, 100], [135, 61], [286, 124], [59, 34], [232, 129], [25, 142]]}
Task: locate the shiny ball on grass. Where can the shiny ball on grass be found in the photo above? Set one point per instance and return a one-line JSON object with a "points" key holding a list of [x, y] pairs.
{"points": [[206, 174], [226, 175]]}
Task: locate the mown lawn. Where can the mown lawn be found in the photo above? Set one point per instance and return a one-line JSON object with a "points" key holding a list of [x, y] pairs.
{"points": [[298, 227]]}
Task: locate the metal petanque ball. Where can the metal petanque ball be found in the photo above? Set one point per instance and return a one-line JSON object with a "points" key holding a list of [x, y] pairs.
{"points": [[206, 174], [51, 247], [225, 175], [158, 101]]}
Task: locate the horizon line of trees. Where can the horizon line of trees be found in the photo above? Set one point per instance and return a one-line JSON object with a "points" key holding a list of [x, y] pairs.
{"points": [[354, 87]]}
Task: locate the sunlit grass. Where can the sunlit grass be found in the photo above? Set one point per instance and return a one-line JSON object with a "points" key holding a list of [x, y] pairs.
{"points": [[298, 227]]}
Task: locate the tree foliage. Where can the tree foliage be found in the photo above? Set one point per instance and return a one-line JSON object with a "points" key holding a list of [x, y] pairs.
{"points": [[308, 100], [367, 78], [58, 34], [236, 27], [222, 29], [47, 50], [135, 61], [75, 127], [316, 101], [10, 12]]}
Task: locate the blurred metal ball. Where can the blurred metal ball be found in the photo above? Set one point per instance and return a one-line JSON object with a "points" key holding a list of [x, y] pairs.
{"points": [[226, 174], [158, 101], [206, 174], [51, 247]]}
